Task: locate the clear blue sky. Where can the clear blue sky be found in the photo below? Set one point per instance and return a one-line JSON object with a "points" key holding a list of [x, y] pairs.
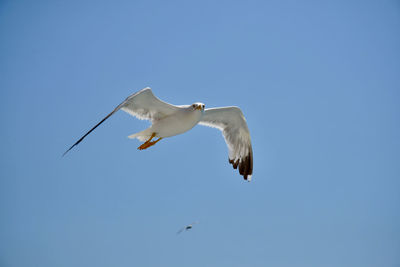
{"points": [[319, 84]]}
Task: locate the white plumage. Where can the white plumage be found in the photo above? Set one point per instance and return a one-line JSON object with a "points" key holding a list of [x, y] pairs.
{"points": [[169, 120], [231, 121]]}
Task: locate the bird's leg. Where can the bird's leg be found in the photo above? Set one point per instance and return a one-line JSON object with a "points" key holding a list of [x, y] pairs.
{"points": [[153, 142], [148, 144], [144, 145]]}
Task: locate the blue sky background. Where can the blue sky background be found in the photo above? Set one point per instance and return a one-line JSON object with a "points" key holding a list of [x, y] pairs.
{"points": [[318, 83]]}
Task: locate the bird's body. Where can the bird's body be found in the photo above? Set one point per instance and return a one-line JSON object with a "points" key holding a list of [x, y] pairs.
{"points": [[182, 120], [170, 120]]}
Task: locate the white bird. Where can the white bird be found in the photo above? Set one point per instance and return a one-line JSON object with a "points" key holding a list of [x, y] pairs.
{"points": [[170, 120], [186, 228]]}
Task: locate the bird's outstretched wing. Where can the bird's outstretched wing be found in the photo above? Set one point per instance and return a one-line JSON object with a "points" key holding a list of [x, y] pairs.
{"points": [[231, 122], [143, 105], [146, 106]]}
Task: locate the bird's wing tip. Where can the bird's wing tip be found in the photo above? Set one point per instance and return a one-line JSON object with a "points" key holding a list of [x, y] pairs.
{"points": [[65, 153]]}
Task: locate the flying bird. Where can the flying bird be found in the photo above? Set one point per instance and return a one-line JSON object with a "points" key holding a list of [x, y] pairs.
{"points": [[170, 120], [186, 228]]}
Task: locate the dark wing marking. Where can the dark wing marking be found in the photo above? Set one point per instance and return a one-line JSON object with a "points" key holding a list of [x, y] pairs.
{"points": [[231, 122], [143, 105], [83, 137]]}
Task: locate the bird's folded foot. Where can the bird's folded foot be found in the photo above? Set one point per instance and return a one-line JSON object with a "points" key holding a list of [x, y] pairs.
{"points": [[148, 144], [144, 145]]}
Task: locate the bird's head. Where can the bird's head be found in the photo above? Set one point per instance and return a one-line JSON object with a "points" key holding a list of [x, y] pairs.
{"points": [[199, 106]]}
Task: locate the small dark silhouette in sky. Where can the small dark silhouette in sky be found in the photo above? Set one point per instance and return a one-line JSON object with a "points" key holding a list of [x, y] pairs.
{"points": [[186, 228]]}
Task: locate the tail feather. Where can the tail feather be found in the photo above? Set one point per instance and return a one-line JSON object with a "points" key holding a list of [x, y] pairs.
{"points": [[141, 136], [133, 136]]}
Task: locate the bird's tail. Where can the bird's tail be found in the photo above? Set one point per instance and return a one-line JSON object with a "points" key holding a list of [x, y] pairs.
{"points": [[141, 136]]}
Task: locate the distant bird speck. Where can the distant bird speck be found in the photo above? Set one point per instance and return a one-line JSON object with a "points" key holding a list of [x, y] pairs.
{"points": [[186, 228]]}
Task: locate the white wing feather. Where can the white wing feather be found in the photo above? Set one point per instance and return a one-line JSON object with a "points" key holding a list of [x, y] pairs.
{"points": [[146, 106], [143, 105], [232, 123]]}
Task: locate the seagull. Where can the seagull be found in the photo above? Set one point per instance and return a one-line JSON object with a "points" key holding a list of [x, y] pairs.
{"points": [[170, 120], [186, 228]]}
